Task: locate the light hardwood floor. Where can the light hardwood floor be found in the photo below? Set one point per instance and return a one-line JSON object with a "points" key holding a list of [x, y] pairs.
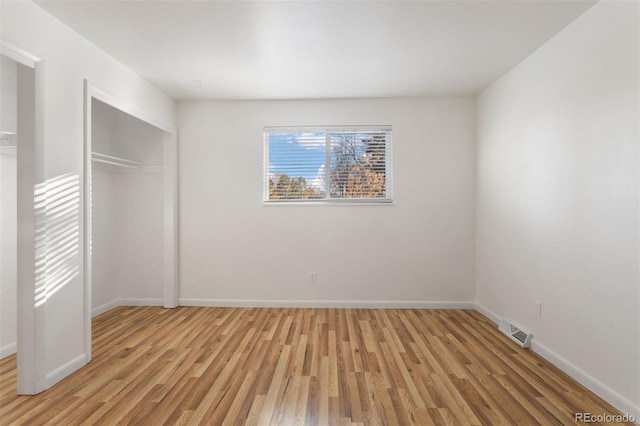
{"points": [[215, 366]]}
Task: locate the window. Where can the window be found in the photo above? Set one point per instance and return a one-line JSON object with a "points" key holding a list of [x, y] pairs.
{"points": [[314, 164]]}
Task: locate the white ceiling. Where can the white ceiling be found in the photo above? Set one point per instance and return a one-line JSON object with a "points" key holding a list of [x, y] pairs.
{"points": [[317, 49]]}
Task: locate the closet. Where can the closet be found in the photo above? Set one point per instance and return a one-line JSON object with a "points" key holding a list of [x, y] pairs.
{"points": [[8, 207], [127, 210]]}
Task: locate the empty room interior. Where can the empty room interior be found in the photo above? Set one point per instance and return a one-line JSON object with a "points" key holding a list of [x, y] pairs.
{"points": [[320, 212]]}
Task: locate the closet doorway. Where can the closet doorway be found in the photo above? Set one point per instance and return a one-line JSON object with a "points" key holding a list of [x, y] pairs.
{"points": [[8, 208], [130, 209]]}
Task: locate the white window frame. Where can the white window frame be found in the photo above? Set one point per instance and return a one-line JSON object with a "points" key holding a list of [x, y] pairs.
{"points": [[328, 130]]}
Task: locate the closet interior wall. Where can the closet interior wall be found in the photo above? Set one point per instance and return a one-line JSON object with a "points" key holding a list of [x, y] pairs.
{"points": [[127, 210], [8, 207]]}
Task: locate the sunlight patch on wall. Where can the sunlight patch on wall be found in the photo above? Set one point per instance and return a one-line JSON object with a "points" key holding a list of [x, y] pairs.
{"points": [[57, 234]]}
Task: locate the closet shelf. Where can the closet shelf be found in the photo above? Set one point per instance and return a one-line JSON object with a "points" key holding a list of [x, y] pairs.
{"points": [[115, 161], [7, 139]]}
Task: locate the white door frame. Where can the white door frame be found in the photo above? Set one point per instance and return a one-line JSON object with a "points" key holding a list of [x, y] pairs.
{"points": [[170, 189], [31, 295]]}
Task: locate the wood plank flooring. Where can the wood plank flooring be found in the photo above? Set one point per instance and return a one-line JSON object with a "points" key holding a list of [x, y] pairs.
{"points": [[214, 366]]}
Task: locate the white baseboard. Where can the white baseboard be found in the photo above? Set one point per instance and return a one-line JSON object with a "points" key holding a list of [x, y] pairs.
{"points": [[125, 302], [364, 304], [61, 372], [141, 302], [104, 308], [612, 397], [487, 313], [8, 350]]}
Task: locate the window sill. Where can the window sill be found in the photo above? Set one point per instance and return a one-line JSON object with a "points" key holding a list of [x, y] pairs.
{"points": [[351, 202]]}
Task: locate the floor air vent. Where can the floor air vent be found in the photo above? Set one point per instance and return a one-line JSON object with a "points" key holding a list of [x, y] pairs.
{"points": [[515, 333]]}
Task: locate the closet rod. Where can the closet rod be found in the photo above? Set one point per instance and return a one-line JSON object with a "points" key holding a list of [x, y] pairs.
{"points": [[111, 157], [116, 161], [100, 160], [7, 139]]}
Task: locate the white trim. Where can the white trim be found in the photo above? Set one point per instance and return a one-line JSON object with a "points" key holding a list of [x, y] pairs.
{"points": [[363, 304], [170, 220], [487, 313], [333, 203], [70, 367], [15, 53], [170, 200], [125, 302], [603, 391], [612, 397], [104, 308], [31, 368], [119, 104], [87, 222], [8, 350], [358, 128], [140, 302]]}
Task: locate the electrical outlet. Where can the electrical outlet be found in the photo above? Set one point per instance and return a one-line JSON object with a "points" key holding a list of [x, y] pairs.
{"points": [[538, 308], [313, 278]]}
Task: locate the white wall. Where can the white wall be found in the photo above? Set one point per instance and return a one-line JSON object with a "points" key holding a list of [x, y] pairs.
{"points": [[233, 249], [9, 91], [68, 59], [127, 238], [104, 271], [558, 194], [104, 206], [140, 253], [140, 213], [8, 250], [127, 212]]}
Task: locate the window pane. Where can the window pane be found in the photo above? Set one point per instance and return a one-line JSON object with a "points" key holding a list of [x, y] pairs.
{"points": [[328, 163], [358, 165], [296, 166]]}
